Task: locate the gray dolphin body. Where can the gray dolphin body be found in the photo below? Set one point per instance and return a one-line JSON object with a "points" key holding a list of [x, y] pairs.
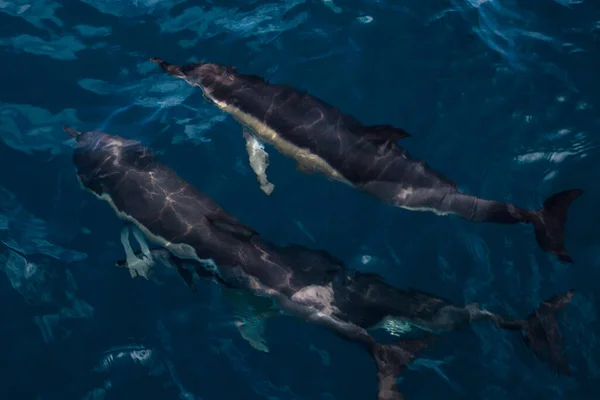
{"points": [[306, 283], [322, 139]]}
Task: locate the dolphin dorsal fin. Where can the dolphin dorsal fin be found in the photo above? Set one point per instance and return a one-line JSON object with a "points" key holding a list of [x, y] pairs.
{"points": [[381, 134], [227, 224]]}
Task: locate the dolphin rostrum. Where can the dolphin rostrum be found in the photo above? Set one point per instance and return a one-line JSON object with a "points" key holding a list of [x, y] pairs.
{"points": [[322, 139], [306, 283]]}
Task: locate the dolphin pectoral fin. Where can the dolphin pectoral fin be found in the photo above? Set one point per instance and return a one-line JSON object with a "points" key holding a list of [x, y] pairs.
{"points": [[267, 188], [230, 225], [252, 331], [137, 266], [141, 239], [250, 313], [130, 257], [259, 161]]}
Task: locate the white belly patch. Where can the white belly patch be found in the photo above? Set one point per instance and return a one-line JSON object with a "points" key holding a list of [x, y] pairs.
{"points": [[318, 297], [306, 160]]}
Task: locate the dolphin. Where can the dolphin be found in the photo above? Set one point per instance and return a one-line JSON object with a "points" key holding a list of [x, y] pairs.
{"points": [[305, 283], [323, 139]]}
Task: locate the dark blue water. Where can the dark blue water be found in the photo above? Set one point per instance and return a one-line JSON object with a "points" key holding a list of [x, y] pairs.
{"points": [[500, 95]]}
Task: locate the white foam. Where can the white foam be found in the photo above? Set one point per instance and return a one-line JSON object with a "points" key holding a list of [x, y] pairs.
{"points": [[553, 157], [395, 326], [365, 19]]}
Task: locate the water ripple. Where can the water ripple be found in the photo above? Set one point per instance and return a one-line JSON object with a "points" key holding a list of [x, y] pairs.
{"points": [[64, 48]]}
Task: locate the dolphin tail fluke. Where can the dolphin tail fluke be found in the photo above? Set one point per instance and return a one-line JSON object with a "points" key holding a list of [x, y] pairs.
{"points": [[549, 223], [540, 332], [391, 360]]}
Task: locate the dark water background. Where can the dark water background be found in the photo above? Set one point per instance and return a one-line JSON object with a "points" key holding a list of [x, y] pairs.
{"points": [[502, 96]]}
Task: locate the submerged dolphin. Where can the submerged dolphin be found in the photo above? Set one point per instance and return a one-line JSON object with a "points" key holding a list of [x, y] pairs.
{"points": [[322, 139], [306, 283]]}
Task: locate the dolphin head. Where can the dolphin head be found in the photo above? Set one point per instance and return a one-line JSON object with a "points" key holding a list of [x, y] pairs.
{"points": [[171, 69], [214, 79], [100, 157]]}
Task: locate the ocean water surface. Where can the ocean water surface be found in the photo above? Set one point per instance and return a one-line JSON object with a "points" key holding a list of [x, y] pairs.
{"points": [[502, 96]]}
